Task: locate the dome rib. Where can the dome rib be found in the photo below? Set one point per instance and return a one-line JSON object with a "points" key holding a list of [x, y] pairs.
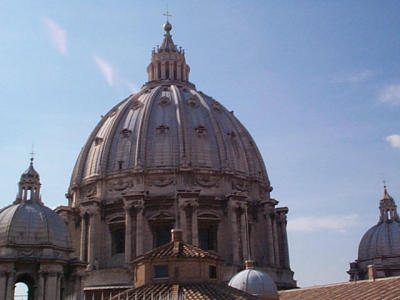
{"points": [[216, 128]]}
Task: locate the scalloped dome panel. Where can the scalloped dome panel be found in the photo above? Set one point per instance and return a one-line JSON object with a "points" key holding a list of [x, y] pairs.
{"points": [[380, 240], [169, 127], [32, 224]]}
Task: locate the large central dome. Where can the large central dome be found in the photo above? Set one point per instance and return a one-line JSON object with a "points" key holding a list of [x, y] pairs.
{"points": [[169, 157], [169, 125]]}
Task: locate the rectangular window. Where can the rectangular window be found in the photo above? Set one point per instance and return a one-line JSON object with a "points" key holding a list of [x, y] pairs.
{"points": [[213, 272], [118, 240], [161, 271]]}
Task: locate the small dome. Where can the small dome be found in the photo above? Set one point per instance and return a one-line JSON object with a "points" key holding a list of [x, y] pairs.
{"points": [[383, 239], [33, 224], [254, 282]]}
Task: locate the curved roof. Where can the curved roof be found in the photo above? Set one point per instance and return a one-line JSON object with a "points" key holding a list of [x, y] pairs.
{"points": [[254, 282], [383, 239], [169, 126], [32, 224]]}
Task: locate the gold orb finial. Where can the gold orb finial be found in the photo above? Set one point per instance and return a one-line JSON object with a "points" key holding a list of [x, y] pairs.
{"points": [[167, 27]]}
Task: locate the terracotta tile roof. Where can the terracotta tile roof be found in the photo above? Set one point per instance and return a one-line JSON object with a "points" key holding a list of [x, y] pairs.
{"points": [[178, 249], [385, 288], [187, 291]]}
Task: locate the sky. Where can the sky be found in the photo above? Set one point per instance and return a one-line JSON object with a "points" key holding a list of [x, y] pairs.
{"points": [[316, 83]]}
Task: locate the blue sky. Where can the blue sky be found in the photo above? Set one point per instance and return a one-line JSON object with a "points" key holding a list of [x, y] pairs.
{"points": [[317, 83]]}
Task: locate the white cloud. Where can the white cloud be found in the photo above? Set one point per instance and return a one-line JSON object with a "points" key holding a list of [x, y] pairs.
{"points": [[58, 36], [356, 77], [133, 88], [394, 140], [391, 94], [105, 69], [325, 223]]}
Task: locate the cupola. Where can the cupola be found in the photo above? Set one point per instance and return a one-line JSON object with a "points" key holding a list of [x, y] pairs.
{"points": [[168, 61], [29, 186]]}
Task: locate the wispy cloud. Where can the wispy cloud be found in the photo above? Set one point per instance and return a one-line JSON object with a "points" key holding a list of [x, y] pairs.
{"points": [[355, 78], [393, 140], [106, 69], [57, 35], [324, 223], [391, 94], [112, 76]]}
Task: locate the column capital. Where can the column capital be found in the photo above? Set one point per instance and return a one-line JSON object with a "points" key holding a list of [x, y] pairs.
{"points": [[138, 204], [183, 203], [128, 205], [91, 210]]}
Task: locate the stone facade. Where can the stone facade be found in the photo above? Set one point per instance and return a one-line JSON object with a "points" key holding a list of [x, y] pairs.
{"points": [[172, 157]]}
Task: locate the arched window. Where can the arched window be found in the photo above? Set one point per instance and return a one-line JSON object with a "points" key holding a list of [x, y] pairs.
{"points": [[21, 291]]}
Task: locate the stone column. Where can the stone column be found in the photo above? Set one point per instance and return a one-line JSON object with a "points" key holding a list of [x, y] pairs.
{"points": [[276, 241], [139, 227], [285, 246], [182, 219], [163, 70], [270, 235], [51, 286], [195, 226], [83, 237], [178, 71], [10, 286], [91, 243], [128, 232], [235, 235], [3, 284], [171, 70], [40, 286], [156, 71], [243, 224]]}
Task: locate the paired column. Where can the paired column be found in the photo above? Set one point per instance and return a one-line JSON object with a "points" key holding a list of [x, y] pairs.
{"points": [[235, 234], [195, 226], [139, 206], [270, 241], [276, 241], [10, 285], [128, 231], [285, 247], [83, 236], [88, 241], [244, 231]]}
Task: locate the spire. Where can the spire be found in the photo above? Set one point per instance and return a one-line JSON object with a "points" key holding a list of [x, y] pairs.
{"points": [[167, 61], [387, 207], [29, 185]]}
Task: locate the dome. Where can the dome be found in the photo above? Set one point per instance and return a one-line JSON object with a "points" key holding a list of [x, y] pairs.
{"points": [[383, 239], [28, 222], [254, 282], [32, 224], [169, 127]]}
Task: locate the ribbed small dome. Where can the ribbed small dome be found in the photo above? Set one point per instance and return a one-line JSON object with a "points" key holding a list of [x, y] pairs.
{"points": [[32, 224], [380, 240], [254, 282], [383, 239]]}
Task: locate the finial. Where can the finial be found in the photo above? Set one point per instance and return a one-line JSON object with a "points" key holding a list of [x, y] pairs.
{"points": [[167, 26], [32, 154]]}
